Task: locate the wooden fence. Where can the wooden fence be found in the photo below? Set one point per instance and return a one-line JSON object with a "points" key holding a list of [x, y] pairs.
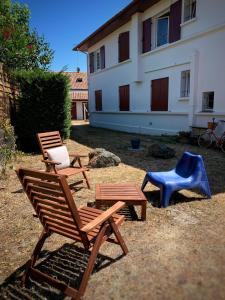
{"points": [[8, 95]]}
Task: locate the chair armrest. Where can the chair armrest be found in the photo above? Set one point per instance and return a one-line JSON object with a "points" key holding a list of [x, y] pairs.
{"points": [[103, 217], [51, 162]]}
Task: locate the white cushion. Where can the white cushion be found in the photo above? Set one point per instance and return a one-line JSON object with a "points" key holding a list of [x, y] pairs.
{"points": [[61, 155]]}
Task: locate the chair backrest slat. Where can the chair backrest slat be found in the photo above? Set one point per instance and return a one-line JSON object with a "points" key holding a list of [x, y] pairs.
{"points": [[48, 140], [53, 202]]}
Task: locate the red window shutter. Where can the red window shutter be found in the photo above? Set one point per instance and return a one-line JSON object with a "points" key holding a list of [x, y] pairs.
{"points": [[91, 62], [98, 100], [159, 101], [175, 21], [146, 35], [102, 55], [124, 46], [124, 97]]}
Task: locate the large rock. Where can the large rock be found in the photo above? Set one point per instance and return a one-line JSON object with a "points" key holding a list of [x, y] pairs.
{"points": [[161, 151], [100, 158]]}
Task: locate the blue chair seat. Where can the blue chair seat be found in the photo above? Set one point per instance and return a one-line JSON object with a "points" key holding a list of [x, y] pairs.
{"points": [[189, 173]]}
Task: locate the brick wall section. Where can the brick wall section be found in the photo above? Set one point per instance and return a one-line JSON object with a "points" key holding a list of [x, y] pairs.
{"points": [[8, 94]]}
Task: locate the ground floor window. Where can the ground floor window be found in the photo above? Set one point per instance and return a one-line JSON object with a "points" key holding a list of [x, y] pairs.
{"points": [[159, 94], [185, 84], [208, 101], [98, 100], [124, 98]]}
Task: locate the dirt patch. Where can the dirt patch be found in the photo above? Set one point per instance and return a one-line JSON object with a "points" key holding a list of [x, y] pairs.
{"points": [[178, 253]]}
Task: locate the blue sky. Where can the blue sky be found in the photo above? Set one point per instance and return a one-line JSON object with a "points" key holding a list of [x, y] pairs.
{"points": [[65, 23]]}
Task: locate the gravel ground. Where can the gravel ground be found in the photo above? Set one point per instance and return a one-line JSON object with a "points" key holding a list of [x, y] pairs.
{"points": [[178, 253]]}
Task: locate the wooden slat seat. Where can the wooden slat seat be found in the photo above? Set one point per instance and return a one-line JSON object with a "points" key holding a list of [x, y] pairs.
{"points": [[54, 205], [49, 140]]}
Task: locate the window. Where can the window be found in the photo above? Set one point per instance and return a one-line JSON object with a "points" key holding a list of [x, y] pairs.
{"points": [[124, 46], [79, 79], [124, 97], [185, 84], [159, 92], [175, 21], [97, 60], [146, 35], [162, 33], [189, 10], [98, 100], [208, 101]]}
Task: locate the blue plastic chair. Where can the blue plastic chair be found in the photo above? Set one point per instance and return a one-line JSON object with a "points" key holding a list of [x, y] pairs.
{"points": [[189, 173]]}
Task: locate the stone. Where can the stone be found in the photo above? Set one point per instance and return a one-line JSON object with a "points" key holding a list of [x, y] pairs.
{"points": [[100, 158], [161, 151]]}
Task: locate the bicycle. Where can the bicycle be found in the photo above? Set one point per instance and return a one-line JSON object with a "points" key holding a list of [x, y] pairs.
{"points": [[207, 138]]}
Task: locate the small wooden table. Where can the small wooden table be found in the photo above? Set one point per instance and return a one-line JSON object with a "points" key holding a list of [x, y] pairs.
{"points": [[109, 193]]}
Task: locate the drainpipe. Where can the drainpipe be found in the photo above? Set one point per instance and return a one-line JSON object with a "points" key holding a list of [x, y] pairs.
{"points": [[193, 88], [135, 50]]}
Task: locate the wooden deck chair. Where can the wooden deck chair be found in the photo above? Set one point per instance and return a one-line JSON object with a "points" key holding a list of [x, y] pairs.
{"points": [[50, 140], [53, 203]]}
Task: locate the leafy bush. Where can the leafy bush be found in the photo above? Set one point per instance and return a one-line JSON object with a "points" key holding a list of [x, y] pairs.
{"points": [[43, 105], [7, 146]]}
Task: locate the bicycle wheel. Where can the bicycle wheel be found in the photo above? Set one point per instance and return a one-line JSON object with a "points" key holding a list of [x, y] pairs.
{"points": [[222, 145], [205, 140]]}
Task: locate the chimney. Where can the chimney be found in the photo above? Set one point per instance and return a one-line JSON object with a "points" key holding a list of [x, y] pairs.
{"points": [[78, 70]]}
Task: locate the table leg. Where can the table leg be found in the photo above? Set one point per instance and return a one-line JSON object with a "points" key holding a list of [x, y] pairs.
{"points": [[143, 210]]}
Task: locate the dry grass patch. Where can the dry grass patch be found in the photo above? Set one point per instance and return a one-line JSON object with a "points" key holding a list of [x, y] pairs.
{"points": [[178, 253]]}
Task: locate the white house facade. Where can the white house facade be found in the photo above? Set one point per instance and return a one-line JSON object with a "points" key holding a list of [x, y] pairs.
{"points": [[158, 67]]}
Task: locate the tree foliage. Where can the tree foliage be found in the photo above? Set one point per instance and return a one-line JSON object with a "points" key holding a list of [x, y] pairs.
{"points": [[20, 47]]}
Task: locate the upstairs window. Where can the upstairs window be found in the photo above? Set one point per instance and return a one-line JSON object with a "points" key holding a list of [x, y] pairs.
{"points": [[97, 60], [79, 79], [185, 84], [98, 100], [208, 101], [124, 97], [162, 33], [175, 21], [124, 46], [146, 35], [189, 10]]}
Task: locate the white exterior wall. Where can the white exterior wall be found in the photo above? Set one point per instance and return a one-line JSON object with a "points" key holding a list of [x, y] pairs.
{"points": [[201, 49]]}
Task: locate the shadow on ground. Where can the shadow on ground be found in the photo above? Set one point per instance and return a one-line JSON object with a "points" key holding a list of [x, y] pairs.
{"points": [[119, 142], [67, 264], [153, 197]]}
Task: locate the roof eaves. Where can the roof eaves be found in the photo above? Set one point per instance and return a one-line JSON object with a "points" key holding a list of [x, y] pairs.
{"points": [[114, 23]]}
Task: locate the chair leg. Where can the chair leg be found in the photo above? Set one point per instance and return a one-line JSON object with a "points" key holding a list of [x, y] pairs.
{"points": [[145, 181], [84, 174], [34, 256], [86, 179], [204, 186], [118, 236], [165, 194], [92, 260]]}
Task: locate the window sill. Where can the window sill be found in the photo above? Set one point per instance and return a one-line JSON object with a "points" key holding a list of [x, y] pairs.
{"points": [[111, 67], [184, 99], [188, 22]]}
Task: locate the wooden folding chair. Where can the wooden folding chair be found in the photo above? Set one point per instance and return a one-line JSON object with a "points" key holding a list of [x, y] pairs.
{"points": [[49, 140], [53, 203]]}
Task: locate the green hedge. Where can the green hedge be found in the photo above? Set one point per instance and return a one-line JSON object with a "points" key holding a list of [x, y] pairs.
{"points": [[44, 105]]}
